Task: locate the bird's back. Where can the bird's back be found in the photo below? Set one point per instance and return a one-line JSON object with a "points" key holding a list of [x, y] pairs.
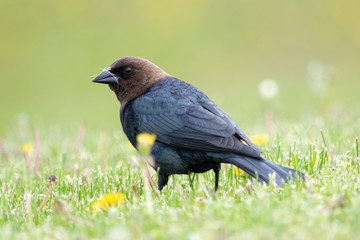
{"points": [[183, 116], [170, 96]]}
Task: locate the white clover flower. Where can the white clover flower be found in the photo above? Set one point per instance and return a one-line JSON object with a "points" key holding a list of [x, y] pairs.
{"points": [[268, 88]]}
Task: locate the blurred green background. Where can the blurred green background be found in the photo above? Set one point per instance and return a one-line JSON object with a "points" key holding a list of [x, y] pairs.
{"points": [[51, 50]]}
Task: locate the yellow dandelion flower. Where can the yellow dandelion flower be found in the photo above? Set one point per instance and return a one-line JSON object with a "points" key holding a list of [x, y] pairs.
{"points": [[260, 139], [107, 201], [244, 142], [27, 148], [237, 171], [131, 147], [145, 141]]}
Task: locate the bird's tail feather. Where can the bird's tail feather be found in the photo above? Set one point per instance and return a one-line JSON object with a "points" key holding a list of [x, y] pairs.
{"points": [[261, 168]]}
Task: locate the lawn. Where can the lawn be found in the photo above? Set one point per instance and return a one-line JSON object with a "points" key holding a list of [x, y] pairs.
{"points": [[89, 163], [287, 72]]}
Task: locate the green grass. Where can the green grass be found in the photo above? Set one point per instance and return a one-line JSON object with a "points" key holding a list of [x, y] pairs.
{"points": [[326, 206]]}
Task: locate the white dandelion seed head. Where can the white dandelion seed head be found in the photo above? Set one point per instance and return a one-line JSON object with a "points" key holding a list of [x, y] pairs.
{"points": [[268, 88]]}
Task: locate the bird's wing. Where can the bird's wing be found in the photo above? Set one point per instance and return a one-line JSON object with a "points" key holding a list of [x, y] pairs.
{"points": [[194, 126]]}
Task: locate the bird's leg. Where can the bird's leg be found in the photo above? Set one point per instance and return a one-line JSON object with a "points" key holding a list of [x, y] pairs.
{"points": [[162, 180], [217, 169]]}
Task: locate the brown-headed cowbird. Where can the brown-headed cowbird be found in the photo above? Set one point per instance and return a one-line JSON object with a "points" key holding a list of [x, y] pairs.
{"points": [[192, 133]]}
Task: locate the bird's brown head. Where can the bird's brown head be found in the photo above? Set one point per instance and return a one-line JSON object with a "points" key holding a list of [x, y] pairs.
{"points": [[129, 77]]}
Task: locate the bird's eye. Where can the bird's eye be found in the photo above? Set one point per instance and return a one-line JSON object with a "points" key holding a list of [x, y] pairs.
{"points": [[127, 70]]}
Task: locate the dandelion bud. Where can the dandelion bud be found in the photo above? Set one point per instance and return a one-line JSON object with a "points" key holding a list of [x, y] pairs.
{"points": [[52, 179]]}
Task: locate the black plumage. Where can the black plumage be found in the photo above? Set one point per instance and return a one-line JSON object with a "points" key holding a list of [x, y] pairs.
{"points": [[192, 133]]}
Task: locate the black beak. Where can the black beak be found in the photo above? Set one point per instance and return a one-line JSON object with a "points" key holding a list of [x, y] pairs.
{"points": [[107, 77]]}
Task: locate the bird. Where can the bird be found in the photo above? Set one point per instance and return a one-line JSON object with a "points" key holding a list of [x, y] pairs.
{"points": [[193, 135]]}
